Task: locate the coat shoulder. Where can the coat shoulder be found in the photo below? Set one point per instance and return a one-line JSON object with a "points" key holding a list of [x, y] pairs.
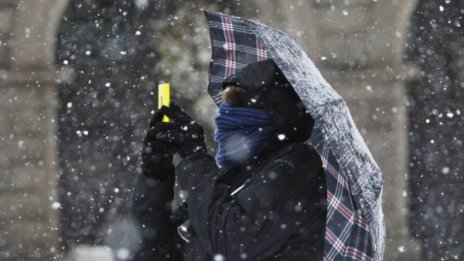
{"points": [[298, 156]]}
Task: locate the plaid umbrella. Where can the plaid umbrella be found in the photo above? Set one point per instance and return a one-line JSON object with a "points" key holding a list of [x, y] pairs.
{"points": [[355, 226]]}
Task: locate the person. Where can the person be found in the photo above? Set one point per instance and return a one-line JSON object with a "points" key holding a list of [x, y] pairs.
{"points": [[263, 197]]}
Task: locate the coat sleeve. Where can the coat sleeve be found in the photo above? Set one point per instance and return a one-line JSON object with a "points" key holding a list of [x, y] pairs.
{"points": [[151, 212], [259, 220]]}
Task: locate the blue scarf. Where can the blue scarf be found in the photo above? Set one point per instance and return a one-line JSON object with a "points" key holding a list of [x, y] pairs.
{"points": [[242, 133]]}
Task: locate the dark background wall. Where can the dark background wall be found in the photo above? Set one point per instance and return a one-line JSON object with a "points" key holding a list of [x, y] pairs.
{"points": [[109, 70], [436, 128], [104, 103]]}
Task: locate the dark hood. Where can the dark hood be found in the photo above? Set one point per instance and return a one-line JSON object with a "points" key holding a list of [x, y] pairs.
{"points": [[267, 82]]}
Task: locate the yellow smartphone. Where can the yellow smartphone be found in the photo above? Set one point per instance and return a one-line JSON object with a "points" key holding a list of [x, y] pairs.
{"points": [[164, 97]]}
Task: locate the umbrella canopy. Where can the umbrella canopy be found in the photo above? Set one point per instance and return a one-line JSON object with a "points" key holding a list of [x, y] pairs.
{"points": [[355, 226]]}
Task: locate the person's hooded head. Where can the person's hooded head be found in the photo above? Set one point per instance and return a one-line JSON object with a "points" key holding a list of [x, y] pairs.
{"points": [[263, 85], [259, 97]]}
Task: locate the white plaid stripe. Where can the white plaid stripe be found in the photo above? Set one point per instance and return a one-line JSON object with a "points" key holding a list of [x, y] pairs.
{"points": [[237, 27], [242, 48], [260, 51], [229, 45]]}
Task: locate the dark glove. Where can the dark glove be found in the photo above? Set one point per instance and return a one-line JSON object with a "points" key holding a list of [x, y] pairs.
{"points": [[181, 130], [157, 154]]}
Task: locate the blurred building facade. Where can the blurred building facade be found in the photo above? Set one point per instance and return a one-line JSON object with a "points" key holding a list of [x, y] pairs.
{"points": [[52, 58]]}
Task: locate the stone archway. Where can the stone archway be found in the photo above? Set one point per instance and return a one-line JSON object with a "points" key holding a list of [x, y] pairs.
{"points": [[360, 54], [28, 129], [28, 221], [392, 26]]}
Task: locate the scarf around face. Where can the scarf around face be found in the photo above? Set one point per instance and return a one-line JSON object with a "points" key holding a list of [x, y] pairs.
{"points": [[241, 133]]}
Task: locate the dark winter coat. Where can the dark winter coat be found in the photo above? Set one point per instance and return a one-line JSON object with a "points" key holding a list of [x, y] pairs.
{"points": [[277, 210]]}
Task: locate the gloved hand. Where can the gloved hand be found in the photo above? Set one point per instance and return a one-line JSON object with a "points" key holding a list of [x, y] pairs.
{"points": [[181, 130], [157, 154]]}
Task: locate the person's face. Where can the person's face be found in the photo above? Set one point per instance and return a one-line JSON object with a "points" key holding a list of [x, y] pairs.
{"points": [[288, 112], [237, 96]]}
